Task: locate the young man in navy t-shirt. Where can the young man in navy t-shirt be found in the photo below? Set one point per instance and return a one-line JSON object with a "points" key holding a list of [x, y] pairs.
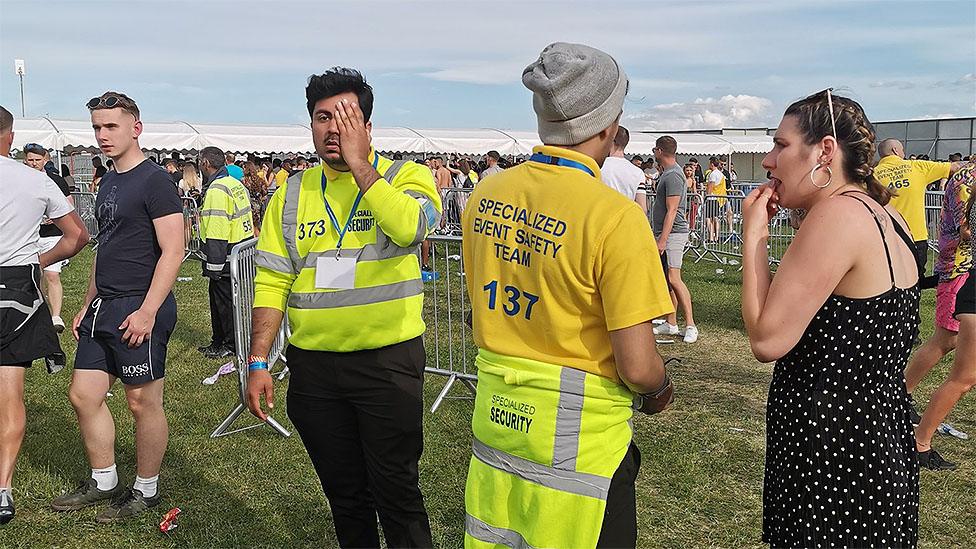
{"points": [[129, 313]]}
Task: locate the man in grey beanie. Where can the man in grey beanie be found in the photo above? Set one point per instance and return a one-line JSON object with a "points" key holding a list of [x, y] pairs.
{"points": [[565, 280]]}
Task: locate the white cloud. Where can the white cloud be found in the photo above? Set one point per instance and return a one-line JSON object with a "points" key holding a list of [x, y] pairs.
{"points": [[898, 84], [473, 72], [704, 114]]}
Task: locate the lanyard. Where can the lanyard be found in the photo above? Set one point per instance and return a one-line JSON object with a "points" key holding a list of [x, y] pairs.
{"points": [[352, 213], [558, 161]]}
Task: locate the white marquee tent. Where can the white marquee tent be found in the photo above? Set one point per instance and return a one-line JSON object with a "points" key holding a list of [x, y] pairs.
{"points": [[67, 135]]}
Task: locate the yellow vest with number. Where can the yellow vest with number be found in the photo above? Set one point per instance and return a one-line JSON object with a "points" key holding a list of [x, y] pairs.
{"points": [[393, 217], [225, 220], [547, 441]]}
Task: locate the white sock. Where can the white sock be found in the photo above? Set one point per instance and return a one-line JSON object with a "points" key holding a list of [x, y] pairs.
{"points": [[107, 478], [147, 486], [6, 496]]}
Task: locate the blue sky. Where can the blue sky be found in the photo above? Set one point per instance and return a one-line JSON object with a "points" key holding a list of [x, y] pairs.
{"points": [[692, 65]]}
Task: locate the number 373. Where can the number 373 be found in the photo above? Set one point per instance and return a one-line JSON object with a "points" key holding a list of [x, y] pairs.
{"points": [[514, 300]]}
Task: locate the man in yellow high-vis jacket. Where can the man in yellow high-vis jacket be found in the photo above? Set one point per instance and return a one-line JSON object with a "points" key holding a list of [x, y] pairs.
{"points": [[337, 251], [564, 280], [225, 221]]}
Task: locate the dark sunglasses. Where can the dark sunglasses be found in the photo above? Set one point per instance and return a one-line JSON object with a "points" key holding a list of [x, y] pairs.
{"points": [[34, 148], [109, 102]]}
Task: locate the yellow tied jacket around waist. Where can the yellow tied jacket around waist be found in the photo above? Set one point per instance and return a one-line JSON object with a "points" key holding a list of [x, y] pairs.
{"points": [[547, 441], [394, 216]]}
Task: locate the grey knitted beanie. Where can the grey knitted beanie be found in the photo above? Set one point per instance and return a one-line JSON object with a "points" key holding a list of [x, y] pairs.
{"points": [[577, 91]]}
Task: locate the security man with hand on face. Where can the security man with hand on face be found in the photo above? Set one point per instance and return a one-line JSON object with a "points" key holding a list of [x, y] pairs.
{"points": [[337, 252], [225, 221]]}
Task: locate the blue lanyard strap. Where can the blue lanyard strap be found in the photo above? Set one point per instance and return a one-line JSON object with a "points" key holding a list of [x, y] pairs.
{"points": [[352, 213], [557, 161]]}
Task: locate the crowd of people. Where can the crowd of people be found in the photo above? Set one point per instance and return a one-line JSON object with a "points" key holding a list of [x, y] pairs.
{"points": [[565, 277]]}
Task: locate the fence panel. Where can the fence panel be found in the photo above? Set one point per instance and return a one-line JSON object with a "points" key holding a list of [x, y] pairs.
{"points": [[933, 216], [85, 206], [453, 201], [242, 272], [191, 228], [448, 339]]}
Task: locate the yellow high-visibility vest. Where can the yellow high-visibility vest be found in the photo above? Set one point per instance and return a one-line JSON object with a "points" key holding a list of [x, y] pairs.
{"points": [[547, 441], [393, 217], [225, 220]]}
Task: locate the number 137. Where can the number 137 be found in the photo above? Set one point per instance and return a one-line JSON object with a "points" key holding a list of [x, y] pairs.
{"points": [[513, 304]]}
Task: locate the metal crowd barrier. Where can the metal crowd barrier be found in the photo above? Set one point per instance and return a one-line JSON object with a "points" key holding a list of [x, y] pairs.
{"points": [[191, 228], [933, 216], [454, 201], [85, 206], [446, 312], [719, 236], [242, 272]]}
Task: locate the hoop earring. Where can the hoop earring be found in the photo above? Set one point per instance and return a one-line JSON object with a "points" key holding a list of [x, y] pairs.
{"points": [[830, 175]]}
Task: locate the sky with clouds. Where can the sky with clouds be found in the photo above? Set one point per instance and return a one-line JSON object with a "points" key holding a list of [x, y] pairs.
{"points": [[458, 64]]}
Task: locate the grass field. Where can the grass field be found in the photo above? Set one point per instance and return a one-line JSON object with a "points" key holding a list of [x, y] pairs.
{"points": [[699, 485]]}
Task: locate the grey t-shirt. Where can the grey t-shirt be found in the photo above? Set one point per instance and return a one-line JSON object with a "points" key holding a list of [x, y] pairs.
{"points": [[670, 183]]}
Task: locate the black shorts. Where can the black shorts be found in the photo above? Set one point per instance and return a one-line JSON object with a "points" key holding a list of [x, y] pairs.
{"points": [[100, 345], [26, 331], [966, 297], [921, 256], [712, 208]]}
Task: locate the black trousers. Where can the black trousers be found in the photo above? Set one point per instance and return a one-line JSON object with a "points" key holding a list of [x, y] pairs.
{"points": [[360, 417], [221, 313], [620, 518], [921, 258]]}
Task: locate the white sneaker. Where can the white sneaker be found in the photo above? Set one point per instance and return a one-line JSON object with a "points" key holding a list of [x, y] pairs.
{"points": [[666, 329], [691, 334], [58, 324]]}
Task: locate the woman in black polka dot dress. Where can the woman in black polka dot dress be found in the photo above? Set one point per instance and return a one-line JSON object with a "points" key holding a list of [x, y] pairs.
{"points": [[839, 318]]}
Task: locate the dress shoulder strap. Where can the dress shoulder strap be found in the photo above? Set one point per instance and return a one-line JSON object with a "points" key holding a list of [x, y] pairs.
{"points": [[891, 270]]}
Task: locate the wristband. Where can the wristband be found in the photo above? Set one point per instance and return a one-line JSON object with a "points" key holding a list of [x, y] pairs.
{"points": [[257, 365], [256, 358]]}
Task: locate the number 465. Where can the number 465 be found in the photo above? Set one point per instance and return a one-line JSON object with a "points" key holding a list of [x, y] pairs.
{"points": [[513, 304]]}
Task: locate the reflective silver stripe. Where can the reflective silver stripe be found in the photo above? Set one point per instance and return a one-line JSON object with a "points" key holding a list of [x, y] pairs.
{"points": [[482, 531], [581, 484], [219, 187], [357, 296], [241, 213], [215, 266], [289, 218], [274, 262], [369, 252], [569, 416], [215, 212]]}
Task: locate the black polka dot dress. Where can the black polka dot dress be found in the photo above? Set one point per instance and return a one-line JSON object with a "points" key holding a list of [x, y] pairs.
{"points": [[841, 468]]}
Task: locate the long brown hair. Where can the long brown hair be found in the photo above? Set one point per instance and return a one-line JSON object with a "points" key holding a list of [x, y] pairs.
{"points": [[855, 136]]}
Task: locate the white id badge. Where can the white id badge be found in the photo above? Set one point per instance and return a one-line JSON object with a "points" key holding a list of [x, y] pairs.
{"points": [[335, 273]]}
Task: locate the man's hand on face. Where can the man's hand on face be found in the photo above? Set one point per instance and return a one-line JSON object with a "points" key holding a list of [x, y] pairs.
{"points": [[353, 136]]}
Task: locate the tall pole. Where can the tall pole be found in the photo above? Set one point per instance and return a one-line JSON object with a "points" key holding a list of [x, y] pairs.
{"points": [[23, 109], [19, 69]]}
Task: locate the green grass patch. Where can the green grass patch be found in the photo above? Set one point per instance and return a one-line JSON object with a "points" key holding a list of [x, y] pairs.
{"points": [[700, 483]]}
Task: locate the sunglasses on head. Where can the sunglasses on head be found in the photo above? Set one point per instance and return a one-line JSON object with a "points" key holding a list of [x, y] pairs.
{"points": [[34, 148], [109, 102]]}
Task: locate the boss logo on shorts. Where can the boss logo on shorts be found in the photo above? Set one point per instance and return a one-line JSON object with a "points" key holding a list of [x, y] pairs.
{"points": [[133, 370]]}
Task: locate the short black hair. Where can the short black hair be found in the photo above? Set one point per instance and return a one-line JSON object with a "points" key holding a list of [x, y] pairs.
{"points": [[622, 138], [6, 120], [168, 161], [339, 80], [494, 155], [213, 156], [276, 163]]}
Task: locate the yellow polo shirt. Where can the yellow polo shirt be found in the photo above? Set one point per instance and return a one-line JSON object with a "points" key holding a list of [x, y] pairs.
{"points": [[908, 179], [554, 260]]}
